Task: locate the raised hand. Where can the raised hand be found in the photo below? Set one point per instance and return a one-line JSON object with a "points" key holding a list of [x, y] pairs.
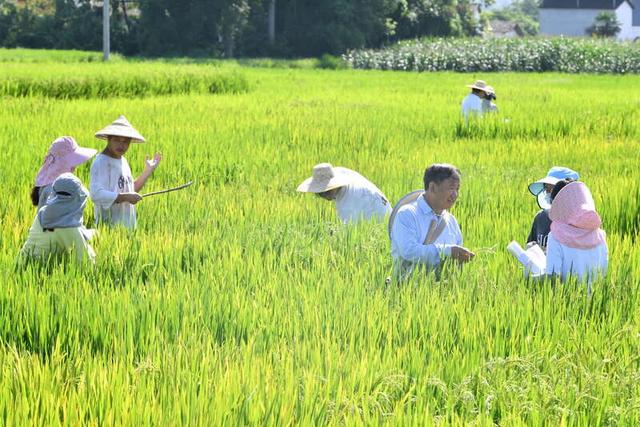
{"points": [[151, 164]]}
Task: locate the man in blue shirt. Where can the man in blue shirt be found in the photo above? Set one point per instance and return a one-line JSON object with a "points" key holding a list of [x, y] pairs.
{"points": [[423, 231]]}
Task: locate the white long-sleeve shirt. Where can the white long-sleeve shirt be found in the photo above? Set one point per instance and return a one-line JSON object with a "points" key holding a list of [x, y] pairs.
{"points": [[360, 199], [472, 104], [409, 232], [110, 177], [584, 264]]}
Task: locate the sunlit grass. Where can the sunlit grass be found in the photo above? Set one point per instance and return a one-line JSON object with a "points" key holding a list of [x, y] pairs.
{"points": [[240, 301]]}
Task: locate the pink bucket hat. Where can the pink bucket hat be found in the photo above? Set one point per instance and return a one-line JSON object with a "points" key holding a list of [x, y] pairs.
{"points": [[63, 155]]}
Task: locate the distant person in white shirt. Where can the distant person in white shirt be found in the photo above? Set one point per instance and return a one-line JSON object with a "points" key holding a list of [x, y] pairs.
{"points": [[576, 246], [487, 102], [356, 197], [423, 232], [113, 190], [474, 103]]}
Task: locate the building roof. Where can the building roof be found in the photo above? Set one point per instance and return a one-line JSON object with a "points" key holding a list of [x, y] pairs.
{"points": [[636, 13], [583, 4], [503, 28]]}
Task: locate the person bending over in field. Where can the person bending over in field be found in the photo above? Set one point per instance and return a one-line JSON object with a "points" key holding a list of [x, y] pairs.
{"points": [[58, 227], [113, 190], [577, 246], [474, 103], [423, 232], [64, 155], [542, 190], [356, 197]]}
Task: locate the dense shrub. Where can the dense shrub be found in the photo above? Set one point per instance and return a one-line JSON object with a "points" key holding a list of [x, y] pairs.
{"points": [[528, 54]]}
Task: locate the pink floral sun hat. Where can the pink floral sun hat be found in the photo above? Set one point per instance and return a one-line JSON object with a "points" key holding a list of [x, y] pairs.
{"points": [[575, 221], [64, 154]]}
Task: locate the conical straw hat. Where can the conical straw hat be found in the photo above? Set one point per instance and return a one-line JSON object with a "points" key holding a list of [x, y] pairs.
{"points": [[121, 127]]}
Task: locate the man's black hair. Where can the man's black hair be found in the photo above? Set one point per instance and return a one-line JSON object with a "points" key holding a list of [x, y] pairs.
{"points": [[559, 186], [439, 172]]}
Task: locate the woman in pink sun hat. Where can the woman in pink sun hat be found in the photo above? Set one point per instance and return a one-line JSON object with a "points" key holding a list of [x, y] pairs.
{"points": [[64, 156], [577, 244]]}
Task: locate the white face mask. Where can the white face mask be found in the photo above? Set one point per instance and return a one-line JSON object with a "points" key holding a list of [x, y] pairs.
{"points": [[544, 200]]}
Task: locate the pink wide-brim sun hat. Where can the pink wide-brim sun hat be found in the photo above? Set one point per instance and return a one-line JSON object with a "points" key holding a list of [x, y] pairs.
{"points": [[64, 154], [323, 178], [120, 127]]}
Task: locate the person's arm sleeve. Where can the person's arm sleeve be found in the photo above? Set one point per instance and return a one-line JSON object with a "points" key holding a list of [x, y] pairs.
{"points": [[554, 257], [458, 233], [409, 248], [98, 184], [532, 234]]}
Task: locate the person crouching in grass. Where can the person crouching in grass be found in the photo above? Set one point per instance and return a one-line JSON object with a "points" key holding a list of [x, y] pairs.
{"points": [[356, 197], [113, 190], [542, 189], [576, 246], [58, 226]]}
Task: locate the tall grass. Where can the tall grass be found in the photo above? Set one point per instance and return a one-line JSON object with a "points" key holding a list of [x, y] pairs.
{"points": [[119, 79], [240, 301]]}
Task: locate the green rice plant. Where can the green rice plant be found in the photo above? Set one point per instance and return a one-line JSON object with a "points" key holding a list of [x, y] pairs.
{"points": [[240, 301], [52, 55], [133, 80]]}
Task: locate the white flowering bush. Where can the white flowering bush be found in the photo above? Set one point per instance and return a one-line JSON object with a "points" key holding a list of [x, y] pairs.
{"points": [[526, 54]]}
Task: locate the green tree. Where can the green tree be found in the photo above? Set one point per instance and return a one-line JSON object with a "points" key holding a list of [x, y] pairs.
{"points": [[605, 25], [418, 18], [524, 13]]}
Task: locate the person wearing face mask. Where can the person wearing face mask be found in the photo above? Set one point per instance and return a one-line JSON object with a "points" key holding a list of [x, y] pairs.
{"points": [[58, 227], [422, 231], [541, 189]]}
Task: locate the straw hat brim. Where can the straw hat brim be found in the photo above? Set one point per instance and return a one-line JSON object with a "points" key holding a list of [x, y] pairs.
{"points": [[120, 131], [310, 185], [405, 200], [484, 89]]}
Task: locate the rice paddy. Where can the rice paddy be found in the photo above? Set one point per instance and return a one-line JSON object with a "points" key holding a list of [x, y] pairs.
{"points": [[240, 301]]}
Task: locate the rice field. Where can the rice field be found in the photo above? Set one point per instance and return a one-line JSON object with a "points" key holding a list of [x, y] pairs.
{"points": [[242, 302]]}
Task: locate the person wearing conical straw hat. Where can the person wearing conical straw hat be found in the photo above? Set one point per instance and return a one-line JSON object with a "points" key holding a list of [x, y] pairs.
{"points": [[113, 190], [64, 156], [423, 232], [355, 196], [472, 103]]}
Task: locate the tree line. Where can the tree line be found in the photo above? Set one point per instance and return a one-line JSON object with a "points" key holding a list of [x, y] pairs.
{"points": [[229, 28]]}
